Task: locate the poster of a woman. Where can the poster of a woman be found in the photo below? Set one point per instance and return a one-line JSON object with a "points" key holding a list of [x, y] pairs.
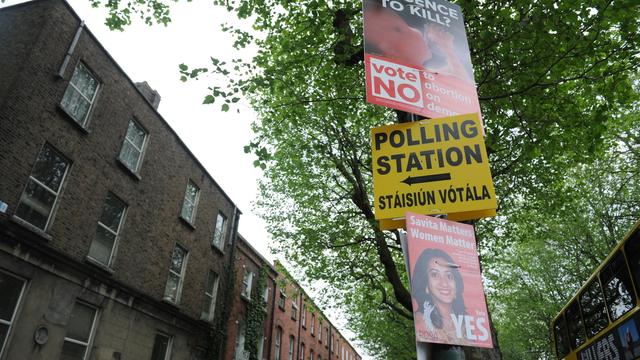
{"points": [[439, 294], [446, 285]]}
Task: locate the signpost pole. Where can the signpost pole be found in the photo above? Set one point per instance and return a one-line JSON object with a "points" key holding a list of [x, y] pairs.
{"points": [[403, 76]]}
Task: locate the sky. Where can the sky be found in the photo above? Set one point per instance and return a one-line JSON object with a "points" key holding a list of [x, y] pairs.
{"points": [[216, 138]]}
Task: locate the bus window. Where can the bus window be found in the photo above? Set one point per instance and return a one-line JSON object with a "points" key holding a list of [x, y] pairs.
{"points": [[593, 312], [632, 249], [562, 340], [618, 291], [574, 325]]}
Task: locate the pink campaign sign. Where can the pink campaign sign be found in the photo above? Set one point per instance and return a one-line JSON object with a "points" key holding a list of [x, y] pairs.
{"points": [[417, 58], [446, 286]]}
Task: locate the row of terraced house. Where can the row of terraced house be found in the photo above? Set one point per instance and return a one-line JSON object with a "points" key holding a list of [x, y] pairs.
{"points": [[115, 242]]}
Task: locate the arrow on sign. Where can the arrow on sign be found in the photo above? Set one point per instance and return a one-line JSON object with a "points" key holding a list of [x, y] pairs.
{"points": [[428, 178]]}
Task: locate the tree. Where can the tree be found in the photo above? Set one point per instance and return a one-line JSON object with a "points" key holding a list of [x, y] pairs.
{"points": [[553, 77], [556, 240]]}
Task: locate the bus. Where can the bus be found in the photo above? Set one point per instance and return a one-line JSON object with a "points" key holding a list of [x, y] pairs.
{"points": [[602, 321]]}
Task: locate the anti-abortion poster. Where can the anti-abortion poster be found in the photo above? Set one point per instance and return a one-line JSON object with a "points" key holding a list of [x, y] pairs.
{"points": [[417, 57], [446, 287]]}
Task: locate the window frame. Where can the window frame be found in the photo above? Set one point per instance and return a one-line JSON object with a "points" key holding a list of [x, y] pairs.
{"points": [[181, 276], [116, 234], [303, 316], [590, 319], [579, 337], [169, 349], [238, 351], [265, 295], [141, 150], [218, 238], [561, 324], [261, 346], [632, 257], [278, 343], [92, 331], [191, 220], [57, 194], [282, 300], [610, 273], [15, 311], [84, 122], [247, 283], [292, 341], [313, 324], [208, 314], [294, 310]]}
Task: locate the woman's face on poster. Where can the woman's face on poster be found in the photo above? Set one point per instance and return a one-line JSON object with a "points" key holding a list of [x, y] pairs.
{"points": [[441, 283]]}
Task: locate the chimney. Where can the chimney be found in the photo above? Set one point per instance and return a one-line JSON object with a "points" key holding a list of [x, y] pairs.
{"points": [[151, 95]]}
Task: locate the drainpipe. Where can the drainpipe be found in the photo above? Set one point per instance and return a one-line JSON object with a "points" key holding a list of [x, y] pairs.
{"points": [[70, 51], [299, 318], [234, 235], [272, 317]]}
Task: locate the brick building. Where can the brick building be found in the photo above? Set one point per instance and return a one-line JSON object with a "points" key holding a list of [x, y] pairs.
{"points": [[252, 304], [115, 242], [300, 328], [113, 238], [290, 327]]}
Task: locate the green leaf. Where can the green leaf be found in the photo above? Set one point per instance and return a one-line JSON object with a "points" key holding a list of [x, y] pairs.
{"points": [[225, 107], [209, 99]]}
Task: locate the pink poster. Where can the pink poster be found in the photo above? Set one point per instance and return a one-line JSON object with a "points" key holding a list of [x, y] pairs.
{"points": [[446, 286], [417, 58]]}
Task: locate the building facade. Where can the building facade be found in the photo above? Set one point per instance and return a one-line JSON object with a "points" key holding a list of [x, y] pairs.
{"points": [[290, 326], [115, 242], [250, 314], [300, 328]]}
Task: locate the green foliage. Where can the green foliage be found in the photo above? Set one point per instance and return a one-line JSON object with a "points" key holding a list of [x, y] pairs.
{"points": [[542, 249], [555, 81], [120, 13], [256, 313]]}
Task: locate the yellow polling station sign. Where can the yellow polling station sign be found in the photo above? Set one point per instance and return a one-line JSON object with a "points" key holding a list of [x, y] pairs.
{"points": [[432, 166]]}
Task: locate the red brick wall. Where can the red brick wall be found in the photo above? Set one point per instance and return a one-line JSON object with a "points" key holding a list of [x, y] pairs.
{"points": [[247, 259], [302, 333]]}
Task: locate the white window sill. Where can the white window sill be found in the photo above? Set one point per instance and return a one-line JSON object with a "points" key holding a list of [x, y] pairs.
{"points": [[218, 248], [126, 169], [98, 264], [34, 229], [187, 222], [206, 319], [171, 302], [73, 120]]}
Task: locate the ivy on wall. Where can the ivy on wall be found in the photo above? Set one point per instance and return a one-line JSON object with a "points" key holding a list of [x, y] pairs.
{"points": [[256, 313]]}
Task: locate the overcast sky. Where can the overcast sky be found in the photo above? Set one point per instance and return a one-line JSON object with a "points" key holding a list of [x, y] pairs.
{"points": [[216, 138]]}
